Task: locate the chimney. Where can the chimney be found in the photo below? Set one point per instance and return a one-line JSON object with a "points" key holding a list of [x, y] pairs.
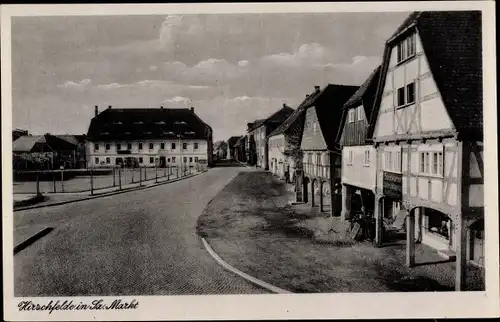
{"points": [[96, 110], [284, 105], [161, 107], [307, 95], [192, 109], [316, 88], [109, 107]]}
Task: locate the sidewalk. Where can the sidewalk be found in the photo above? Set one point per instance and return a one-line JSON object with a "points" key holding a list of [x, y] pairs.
{"points": [[251, 226], [65, 197]]}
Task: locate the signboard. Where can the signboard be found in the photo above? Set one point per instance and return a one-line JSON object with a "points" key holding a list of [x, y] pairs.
{"points": [[393, 185]]}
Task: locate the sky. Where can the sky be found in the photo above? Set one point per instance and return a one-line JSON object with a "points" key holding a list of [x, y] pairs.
{"points": [[232, 68]]}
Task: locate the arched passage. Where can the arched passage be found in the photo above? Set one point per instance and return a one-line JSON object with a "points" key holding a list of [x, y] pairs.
{"points": [[305, 193]]}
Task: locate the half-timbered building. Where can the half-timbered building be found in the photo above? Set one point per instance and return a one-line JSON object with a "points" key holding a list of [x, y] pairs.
{"points": [[428, 131], [358, 154], [321, 153]]}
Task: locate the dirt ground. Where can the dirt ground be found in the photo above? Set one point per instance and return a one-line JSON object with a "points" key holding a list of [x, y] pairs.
{"points": [[251, 225]]}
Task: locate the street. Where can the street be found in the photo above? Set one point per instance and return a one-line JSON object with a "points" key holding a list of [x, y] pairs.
{"points": [[137, 243]]}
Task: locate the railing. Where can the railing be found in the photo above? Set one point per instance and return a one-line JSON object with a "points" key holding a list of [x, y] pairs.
{"points": [[99, 179]]}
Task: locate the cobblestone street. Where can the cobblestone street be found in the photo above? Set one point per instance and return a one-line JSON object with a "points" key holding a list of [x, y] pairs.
{"points": [[142, 242]]}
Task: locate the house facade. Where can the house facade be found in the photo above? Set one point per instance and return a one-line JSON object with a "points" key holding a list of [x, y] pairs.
{"points": [[428, 133], [358, 154], [321, 153], [230, 147], [240, 149], [258, 131], [148, 137]]}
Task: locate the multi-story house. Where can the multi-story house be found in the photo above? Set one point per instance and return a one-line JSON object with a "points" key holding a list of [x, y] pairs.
{"points": [[285, 156], [148, 137], [428, 129], [321, 153], [239, 147], [230, 147], [358, 154], [257, 136]]}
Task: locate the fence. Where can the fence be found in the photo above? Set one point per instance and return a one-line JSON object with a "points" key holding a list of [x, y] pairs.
{"points": [[97, 180]]}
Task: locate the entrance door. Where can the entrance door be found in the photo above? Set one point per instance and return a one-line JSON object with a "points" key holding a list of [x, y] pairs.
{"points": [[162, 162]]}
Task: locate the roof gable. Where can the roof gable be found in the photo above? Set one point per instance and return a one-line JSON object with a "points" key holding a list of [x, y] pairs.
{"points": [[277, 117], [452, 43]]}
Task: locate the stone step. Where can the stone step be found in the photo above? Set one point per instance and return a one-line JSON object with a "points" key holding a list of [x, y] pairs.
{"points": [[447, 254]]}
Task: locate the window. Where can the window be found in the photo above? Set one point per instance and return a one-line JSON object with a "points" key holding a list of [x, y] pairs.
{"points": [[196, 145], [314, 127], [185, 159], [168, 159], [140, 145], [349, 157], [141, 160], [184, 146], [366, 160], [410, 93], [318, 159], [96, 147], [173, 145], [397, 166], [118, 146], [108, 146], [350, 115], [431, 163], [360, 113], [195, 159], [406, 48], [151, 146], [162, 146], [129, 146], [96, 160], [401, 96], [108, 160], [190, 159], [422, 162], [151, 160], [173, 159], [388, 160]]}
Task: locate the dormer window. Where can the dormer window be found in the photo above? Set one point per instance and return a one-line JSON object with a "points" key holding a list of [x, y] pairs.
{"points": [[406, 48], [169, 133], [117, 122], [104, 133], [180, 122], [160, 122], [138, 122], [190, 133]]}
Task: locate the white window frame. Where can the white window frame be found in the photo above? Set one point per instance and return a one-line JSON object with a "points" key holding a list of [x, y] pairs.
{"points": [[403, 51], [151, 160], [359, 113], [350, 116], [431, 163], [366, 158], [350, 157]]}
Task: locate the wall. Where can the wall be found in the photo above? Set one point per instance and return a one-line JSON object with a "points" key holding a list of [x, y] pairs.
{"points": [[201, 153], [427, 114], [354, 133], [276, 157], [312, 137], [358, 173]]}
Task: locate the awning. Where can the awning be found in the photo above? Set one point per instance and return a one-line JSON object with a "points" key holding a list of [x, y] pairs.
{"points": [[400, 219]]}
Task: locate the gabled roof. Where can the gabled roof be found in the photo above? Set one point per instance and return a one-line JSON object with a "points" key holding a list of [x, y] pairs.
{"points": [[232, 141], [452, 43], [39, 143], [296, 116], [137, 123], [365, 96], [74, 139], [240, 141], [328, 104], [277, 117]]}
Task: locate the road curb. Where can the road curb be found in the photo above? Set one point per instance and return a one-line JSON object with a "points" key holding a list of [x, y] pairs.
{"points": [[108, 194], [245, 276], [27, 242]]}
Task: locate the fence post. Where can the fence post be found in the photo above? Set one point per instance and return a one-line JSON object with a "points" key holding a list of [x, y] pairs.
{"points": [[120, 177], [177, 169], [54, 180], [140, 176], [145, 173], [37, 182], [114, 180], [91, 182], [62, 180], [156, 173], [133, 170], [165, 170], [168, 173]]}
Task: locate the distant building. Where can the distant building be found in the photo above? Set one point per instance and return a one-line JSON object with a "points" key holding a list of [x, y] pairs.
{"points": [[230, 147], [81, 152], [258, 130], [428, 129], [47, 152], [321, 152], [148, 137], [17, 133], [240, 149]]}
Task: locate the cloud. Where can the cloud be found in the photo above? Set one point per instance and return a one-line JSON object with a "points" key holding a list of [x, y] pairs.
{"points": [[153, 68], [306, 55], [242, 98], [75, 85], [177, 99], [243, 63]]}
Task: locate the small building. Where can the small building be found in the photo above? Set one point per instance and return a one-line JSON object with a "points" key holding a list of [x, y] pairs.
{"points": [[257, 136], [148, 137], [321, 152], [428, 131], [240, 149], [230, 147], [43, 152], [79, 141], [285, 155], [358, 153]]}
